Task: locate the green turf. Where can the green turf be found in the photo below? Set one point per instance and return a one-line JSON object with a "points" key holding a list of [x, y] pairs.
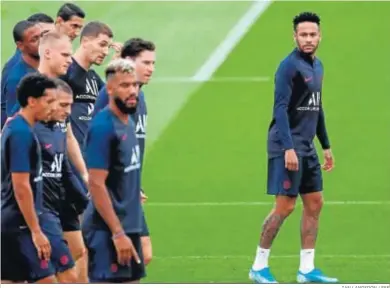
{"points": [[214, 149]]}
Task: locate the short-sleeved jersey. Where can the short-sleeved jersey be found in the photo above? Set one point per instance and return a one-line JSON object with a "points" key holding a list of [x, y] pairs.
{"points": [[139, 117], [297, 113], [16, 73], [4, 75], [85, 86], [58, 177], [112, 145], [20, 153]]}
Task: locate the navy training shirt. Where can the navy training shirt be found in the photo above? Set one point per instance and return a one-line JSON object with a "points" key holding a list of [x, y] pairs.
{"points": [[16, 73], [139, 117], [85, 86], [112, 145], [20, 153], [298, 115], [4, 75], [58, 178]]}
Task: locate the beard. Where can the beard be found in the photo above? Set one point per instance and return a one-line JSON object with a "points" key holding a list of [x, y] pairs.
{"points": [[123, 107]]}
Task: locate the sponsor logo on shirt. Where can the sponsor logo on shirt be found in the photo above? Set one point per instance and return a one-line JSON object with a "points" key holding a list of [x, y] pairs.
{"points": [[135, 161], [313, 103]]}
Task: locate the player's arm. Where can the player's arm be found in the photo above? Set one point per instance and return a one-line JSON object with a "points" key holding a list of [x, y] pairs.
{"points": [[283, 90], [322, 134], [98, 153], [19, 154], [12, 103], [75, 192], [75, 155]]}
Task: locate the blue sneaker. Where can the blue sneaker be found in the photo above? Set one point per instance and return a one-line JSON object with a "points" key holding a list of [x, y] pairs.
{"points": [[262, 276], [315, 276]]}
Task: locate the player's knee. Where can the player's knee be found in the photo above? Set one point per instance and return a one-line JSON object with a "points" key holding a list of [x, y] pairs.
{"points": [[79, 252], [314, 206], [67, 277], [285, 206]]}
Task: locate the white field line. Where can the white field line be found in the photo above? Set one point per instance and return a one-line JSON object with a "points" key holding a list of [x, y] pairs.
{"points": [[213, 80], [293, 256], [198, 204], [230, 42]]}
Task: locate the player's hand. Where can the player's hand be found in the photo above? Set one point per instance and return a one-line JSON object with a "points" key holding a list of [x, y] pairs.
{"points": [[42, 245], [291, 160], [143, 197], [117, 46], [125, 250], [328, 160]]}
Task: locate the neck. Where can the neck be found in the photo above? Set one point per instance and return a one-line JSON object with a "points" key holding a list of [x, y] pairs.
{"points": [[45, 70], [82, 59], [28, 116], [31, 61], [121, 116]]}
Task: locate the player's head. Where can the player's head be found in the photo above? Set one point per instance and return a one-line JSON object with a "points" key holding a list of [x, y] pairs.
{"points": [[96, 38], [26, 36], [122, 85], [143, 53], [55, 51], [307, 33], [45, 22], [70, 20], [64, 101], [37, 93]]}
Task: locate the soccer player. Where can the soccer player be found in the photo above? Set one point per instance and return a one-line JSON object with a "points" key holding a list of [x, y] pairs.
{"points": [[46, 23], [31, 249], [143, 54], [60, 185], [26, 36], [56, 50], [70, 20], [112, 221], [96, 37], [293, 165]]}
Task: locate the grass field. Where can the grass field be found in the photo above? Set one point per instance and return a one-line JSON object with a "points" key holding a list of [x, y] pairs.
{"points": [[205, 170]]}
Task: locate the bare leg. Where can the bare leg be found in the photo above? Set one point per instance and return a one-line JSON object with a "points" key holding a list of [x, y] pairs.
{"points": [[312, 204], [283, 207]]}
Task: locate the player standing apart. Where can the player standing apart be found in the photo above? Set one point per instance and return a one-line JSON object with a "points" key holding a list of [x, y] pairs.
{"points": [[293, 165], [143, 54], [113, 220]]}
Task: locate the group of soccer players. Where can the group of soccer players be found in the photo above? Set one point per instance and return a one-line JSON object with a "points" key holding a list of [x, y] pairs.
{"points": [[72, 153]]}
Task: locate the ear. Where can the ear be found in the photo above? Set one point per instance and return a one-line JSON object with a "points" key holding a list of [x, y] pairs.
{"points": [[110, 86], [59, 20], [19, 45], [31, 102]]}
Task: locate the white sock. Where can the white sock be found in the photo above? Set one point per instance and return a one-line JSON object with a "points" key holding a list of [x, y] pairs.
{"points": [[261, 260], [307, 260]]}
